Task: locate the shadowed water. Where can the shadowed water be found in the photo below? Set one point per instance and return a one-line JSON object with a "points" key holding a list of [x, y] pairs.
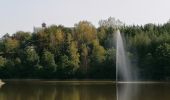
{"points": [[81, 91], [57, 91]]}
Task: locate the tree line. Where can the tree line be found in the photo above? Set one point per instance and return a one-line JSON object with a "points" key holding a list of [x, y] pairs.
{"points": [[85, 52]]}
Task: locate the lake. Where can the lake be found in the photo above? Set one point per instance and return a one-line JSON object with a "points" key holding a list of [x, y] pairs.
{"points": [[83, 90]]}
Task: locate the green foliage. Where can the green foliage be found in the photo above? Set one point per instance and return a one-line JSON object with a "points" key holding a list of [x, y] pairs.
{"points": [[31, 57], [2, 61], [84, 51], [111, 55], [84, 58], [48, 63], [111, 22], [98, 52], [163, 53], [22, 36], [74, 55], [84, 32], [65, 70], [47, 60], [10, 45]]}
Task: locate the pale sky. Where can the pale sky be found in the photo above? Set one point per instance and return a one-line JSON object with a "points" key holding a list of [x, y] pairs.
{"points": [[22, 15]]}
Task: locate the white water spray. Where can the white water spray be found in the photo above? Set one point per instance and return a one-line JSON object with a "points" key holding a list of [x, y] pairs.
{"points": [[123, 70], [124, 89]]}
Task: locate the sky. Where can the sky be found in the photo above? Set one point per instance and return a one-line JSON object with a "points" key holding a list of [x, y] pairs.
{"points": [[17, 15]]}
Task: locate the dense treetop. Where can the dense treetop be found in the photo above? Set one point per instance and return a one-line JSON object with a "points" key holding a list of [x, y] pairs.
{"points": [[85, 51]]}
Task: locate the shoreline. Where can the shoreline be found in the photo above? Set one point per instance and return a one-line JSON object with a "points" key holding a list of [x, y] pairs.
{"points": [[83, 81]]}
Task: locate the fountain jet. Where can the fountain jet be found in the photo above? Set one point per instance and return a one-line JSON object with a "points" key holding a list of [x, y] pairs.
{"points": [[122, 61]]}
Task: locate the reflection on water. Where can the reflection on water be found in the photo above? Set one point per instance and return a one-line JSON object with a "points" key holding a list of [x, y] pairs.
{"points": [[127, 91], [144, 91], [71, 91], [57, 91]]}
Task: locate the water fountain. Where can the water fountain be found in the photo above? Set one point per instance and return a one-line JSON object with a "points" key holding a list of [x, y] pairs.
{"points": [[124, 89], [123, 67]]}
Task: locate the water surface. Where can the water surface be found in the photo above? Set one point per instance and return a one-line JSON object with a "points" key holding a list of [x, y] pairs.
{"points": [[83, 91]]}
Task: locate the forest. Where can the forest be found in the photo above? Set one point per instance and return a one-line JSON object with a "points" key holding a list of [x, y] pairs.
{"points": [[85, 51]]}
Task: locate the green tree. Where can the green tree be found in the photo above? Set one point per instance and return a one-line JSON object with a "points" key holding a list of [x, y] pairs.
{"points": [[10, 45], [162, 56], [111, 22], [98, 52], [24, 38], [74, 55], [56, 39], [29, 61], [163, 53], [31, 56], [47, 60], [141, 42], [84, 58], [101, 34], [109, 71], [85, 32], [64, 69], [49, 65], [2, 62]]}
